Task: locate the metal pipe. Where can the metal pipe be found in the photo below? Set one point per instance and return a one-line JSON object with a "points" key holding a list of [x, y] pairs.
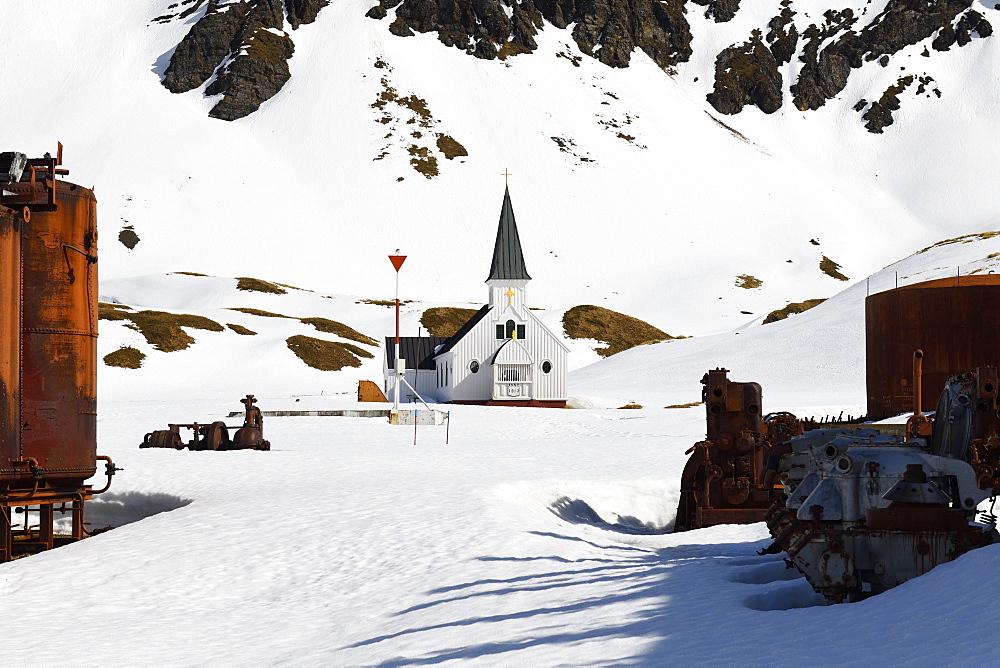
{"points": [[36, 473], [109, 470], [918, 371]]}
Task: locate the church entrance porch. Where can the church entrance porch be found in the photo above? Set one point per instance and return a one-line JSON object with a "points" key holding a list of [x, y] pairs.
{"points": [[512, 381]]}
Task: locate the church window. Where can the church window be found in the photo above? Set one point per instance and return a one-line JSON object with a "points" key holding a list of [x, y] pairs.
{"points": [[546, 366], [474, 366], [520, 331], [510, 329], [510, 374], [500, 333]]}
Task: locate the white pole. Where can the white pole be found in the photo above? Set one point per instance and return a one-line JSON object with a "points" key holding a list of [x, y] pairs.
{"points": [[396, 356]]}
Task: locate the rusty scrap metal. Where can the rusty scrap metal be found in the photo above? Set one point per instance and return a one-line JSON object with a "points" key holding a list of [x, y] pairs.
{"points": [[214, 436], [724, 480], [48, 352], [866, 511]]}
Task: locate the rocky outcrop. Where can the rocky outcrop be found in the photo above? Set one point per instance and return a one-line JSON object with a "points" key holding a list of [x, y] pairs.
{"points": [[608, 30], [242, 50], [901, 24], [747, 74], [719, 10], [303, 11]]}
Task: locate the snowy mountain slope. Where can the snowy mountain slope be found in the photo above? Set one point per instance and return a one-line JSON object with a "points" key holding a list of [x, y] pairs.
{"points": [[516, 536], [816, 358], [659, 232]]}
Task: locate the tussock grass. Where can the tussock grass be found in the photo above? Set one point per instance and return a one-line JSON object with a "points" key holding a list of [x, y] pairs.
{"points": [[630, 405], [445, 320], [748, 282], [323, 355], [831, 269], [257, 285], [125, 357], [618, 330], [690, 405], [792, 308], [189, 273], [258, 312], [160, 329], [450, 147], [964, 239], [240, 329], [340, 329]]}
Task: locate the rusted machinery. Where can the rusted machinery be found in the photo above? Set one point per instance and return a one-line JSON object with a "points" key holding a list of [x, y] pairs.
{"points": [[723, 481], [953, 320], [214, 436], [48, 351], [866, 511]]}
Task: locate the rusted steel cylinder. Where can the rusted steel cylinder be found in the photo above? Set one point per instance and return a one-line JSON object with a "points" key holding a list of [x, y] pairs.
{"points": [[954, 321], [59, 338], [10, 333]]}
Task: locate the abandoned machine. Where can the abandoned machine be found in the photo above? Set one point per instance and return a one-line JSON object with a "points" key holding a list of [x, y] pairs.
{"points": [[48, 354], [860, 507]]}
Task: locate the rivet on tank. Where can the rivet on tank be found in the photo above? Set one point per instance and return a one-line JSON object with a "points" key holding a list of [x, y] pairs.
{"points": [[48, 352]]}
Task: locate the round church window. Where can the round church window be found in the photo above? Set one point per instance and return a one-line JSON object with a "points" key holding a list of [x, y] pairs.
{"points": [[474, 366], [546, 366]]}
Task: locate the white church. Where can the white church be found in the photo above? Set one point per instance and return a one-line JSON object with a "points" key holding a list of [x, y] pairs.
{"points": [[503, 355]]}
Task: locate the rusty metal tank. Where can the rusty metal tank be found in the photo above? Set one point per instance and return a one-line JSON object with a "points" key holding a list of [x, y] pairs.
{"points": [[954, 322], [53, 440], [10, 327]]}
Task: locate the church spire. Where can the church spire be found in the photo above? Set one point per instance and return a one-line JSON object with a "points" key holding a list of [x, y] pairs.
{"points": [[508, 261]]}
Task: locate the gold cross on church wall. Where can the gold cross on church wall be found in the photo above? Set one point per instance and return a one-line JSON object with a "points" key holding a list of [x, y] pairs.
{"points": [[510, 296]]}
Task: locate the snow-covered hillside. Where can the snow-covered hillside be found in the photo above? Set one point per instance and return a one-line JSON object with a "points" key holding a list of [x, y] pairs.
{"points": [[658, 223], [511, 537]]}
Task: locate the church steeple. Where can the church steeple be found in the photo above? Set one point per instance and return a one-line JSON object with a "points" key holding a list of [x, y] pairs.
{"points": [[508, 261]]}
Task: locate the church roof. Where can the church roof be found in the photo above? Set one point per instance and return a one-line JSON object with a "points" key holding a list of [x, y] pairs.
{"points": [[463, 330], [418, 351], [508, 260]]}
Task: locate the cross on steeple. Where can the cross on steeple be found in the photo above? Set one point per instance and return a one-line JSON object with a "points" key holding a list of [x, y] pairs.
{"points": [[510, 296], [506, 176]]}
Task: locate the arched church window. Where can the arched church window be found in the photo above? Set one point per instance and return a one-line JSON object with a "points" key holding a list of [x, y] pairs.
{"points": [[474, 366], [510, 329], [546, 366]]}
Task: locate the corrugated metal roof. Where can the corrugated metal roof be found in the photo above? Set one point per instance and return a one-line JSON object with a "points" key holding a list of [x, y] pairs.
{"points": [[418, 351], [508, 261], [464, 329]]}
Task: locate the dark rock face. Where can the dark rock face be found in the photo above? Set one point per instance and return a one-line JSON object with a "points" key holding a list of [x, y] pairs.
{"points": [[253, 76], [206, 45], [879, 115], [244, 46], [720, 10], [303, 11], [746, 74], [605, 29], [902, 23]]}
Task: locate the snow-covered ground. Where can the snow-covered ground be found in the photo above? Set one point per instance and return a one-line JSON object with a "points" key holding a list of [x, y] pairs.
{"points": [[511, 537], [532, 537]]}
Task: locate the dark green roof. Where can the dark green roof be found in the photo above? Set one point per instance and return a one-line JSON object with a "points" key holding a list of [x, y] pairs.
{"points": [[508, 261]]}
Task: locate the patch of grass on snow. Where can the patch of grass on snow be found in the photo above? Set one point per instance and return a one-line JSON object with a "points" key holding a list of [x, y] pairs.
{"points": [[125, 357], [445, 320], [161, 330], [325, 355], [792, 308], [618, 330]]}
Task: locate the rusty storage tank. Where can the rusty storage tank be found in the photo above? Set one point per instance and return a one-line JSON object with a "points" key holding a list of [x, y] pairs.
{"points": [[48, 241], [954, 321]]}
